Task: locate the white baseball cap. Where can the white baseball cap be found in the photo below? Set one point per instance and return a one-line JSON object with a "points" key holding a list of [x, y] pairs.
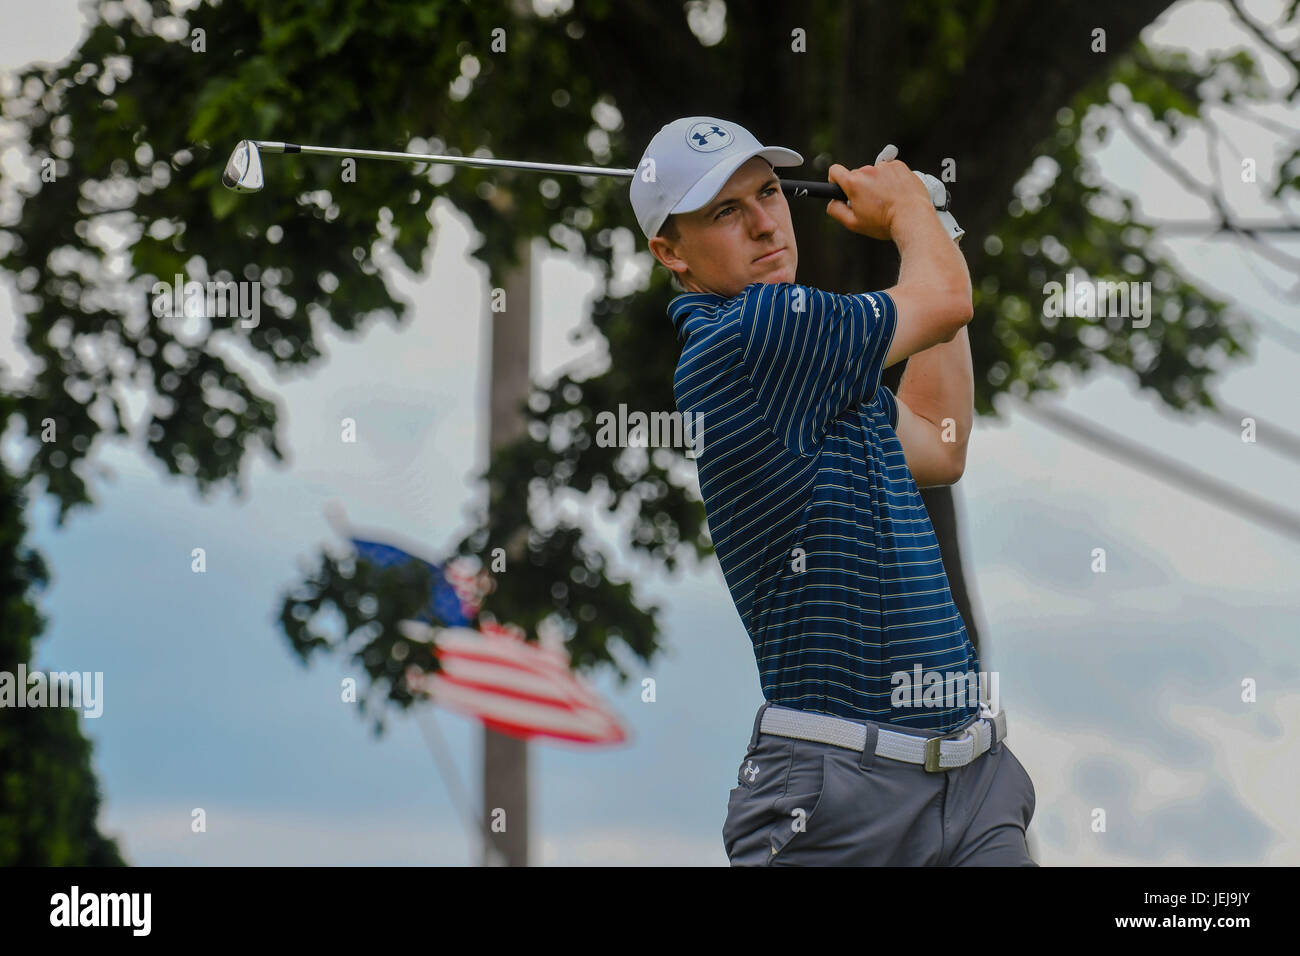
{"points": [[687, 164]]}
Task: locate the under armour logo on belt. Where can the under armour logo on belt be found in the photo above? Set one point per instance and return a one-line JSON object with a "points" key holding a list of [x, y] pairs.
{"points": [[751, 770]]}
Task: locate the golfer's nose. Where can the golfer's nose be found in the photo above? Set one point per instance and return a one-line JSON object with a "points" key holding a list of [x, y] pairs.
{"points": [[761, 222]]}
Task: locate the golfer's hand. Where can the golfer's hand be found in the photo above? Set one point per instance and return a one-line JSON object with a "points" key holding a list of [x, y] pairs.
{"points": [[878, 195]]}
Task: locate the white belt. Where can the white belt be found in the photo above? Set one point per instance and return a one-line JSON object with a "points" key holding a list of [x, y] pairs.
{"points": [[936, 754]]}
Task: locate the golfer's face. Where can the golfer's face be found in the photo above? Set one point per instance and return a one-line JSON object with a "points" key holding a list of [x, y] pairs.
{"points": [[744, 235]]}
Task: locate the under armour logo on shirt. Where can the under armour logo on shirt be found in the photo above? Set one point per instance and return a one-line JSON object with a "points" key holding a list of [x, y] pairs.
{"points": [[751, 770]]}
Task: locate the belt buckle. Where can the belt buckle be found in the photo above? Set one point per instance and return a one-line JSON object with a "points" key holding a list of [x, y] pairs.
{"points": [[932, 748], [932, 754]]}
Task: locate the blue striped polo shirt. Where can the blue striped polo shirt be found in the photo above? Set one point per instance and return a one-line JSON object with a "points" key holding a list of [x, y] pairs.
{"points": [[823, 538]]}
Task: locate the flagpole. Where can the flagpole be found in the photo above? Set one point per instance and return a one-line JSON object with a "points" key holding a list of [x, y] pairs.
{"points": [[447, 768], [338, 520]]}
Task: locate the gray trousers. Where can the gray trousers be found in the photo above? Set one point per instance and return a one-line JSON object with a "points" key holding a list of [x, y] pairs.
{"points": [[804, 803]]}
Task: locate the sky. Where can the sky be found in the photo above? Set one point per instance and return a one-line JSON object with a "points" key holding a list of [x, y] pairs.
{"points": [[1122, 690]]}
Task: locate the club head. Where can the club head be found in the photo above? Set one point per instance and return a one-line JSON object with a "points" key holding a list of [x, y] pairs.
{"points": [[243, 172]]}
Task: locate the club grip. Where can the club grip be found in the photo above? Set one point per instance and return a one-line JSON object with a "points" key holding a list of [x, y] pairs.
{"points": [[806, 187]]}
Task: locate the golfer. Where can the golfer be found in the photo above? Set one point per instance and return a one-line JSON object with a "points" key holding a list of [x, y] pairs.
{"points": [[861, 755]]}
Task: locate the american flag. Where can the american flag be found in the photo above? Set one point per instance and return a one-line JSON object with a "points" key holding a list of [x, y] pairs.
{"points": [[453, 600], [514, 687]]}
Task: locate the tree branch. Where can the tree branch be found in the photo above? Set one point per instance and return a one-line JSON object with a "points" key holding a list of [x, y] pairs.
{"points": [[1207, 193], [1287, 56], [1271, 125], [1215, 225], [1284, 295]]}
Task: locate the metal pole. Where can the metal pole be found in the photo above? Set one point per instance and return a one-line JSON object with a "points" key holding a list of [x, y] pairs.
{"points": [[442, 756]]}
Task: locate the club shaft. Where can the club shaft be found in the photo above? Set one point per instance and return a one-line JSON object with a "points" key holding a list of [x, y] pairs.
{"points": [[476, 161], [791, 187]]}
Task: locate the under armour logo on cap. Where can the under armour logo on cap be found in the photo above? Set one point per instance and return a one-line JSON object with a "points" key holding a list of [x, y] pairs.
{"points": [[687, 164], [707, 137]]}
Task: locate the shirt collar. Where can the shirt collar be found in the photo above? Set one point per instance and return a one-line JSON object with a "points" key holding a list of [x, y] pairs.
{"points": [[685, 305]]}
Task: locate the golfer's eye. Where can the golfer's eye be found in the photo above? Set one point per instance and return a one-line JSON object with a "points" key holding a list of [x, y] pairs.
{"points": [[765, 193]]}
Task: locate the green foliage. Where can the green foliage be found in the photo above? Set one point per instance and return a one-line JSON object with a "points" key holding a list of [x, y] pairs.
{"points": [[1065, 218], [49, 801], [139, 128], [371, 601]]}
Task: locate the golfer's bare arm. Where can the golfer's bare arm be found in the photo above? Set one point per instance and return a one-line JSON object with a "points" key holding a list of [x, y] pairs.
{"points": [[935, 411], [936, 395]]}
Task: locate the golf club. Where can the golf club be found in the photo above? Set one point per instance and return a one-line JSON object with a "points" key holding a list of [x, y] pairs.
{"points": [[243, 171]]}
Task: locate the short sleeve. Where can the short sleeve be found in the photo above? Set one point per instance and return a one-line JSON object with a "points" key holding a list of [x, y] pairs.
{"points": [[888, 404], [810, 355]]}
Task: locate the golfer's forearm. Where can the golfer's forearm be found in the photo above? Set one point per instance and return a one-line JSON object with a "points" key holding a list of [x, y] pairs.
{"points": [[939, 385], [930, 260]]}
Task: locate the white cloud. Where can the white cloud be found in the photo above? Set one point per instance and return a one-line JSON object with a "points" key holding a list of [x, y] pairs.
{"points": [[617, 846], [1259, 773], [161, 836]]}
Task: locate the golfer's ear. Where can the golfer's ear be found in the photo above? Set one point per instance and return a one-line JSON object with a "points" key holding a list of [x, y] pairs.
{"points": [[662, 250]]}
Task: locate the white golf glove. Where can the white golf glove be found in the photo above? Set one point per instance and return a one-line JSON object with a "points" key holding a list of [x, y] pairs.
{"points": [[938, 195]]}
